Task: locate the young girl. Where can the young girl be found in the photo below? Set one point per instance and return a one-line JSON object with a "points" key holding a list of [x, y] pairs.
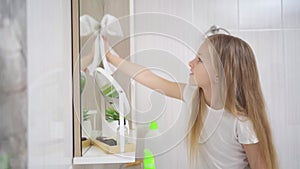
{"points": [[231, 129]]}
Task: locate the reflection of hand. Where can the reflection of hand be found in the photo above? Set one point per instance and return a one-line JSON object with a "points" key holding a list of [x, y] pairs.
{"points": [[106, 47], [87, 59], [104, 38]]}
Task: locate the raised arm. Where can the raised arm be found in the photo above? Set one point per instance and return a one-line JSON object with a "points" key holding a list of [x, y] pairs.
{"points": [[144, 76]]}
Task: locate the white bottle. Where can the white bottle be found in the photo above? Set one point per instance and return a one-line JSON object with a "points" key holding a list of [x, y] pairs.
{"points": [[125, 133]]}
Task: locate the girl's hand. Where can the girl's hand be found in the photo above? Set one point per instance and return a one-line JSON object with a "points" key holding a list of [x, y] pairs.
{"points": [[104, 38], [105, 43], [106, 46]]}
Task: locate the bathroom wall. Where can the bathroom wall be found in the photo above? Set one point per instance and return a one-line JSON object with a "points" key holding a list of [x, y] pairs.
{"points": [[271, 27], [13, 85], [166, 57]]}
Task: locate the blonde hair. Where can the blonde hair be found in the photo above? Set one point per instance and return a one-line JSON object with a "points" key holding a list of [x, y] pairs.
{"points": [[243, 94]]}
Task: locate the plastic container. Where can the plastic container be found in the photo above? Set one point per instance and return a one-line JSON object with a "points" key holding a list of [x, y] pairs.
{"points": [[149, 162], [152, 138]]}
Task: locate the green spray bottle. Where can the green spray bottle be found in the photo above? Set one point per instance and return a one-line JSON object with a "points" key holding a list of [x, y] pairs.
{"points": [[149, 162], [150, 146]]}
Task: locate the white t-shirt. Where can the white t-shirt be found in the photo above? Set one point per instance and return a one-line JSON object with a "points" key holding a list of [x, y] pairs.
{"points": [[222, 137]]}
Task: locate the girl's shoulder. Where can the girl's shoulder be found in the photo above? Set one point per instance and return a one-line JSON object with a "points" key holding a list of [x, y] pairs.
{"points": [[242, 126], [245, 131]]}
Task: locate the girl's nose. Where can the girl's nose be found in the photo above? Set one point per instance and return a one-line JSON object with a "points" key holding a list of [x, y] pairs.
{"points": [[191, 63]]}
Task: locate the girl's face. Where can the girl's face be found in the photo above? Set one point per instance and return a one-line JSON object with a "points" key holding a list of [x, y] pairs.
{"points": [[199, 75]]}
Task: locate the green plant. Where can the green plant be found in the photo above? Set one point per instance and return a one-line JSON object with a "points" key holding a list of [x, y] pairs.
{"points": [[109, 91], [5, 161], [111, 114], [82, 81], [86, 116]]}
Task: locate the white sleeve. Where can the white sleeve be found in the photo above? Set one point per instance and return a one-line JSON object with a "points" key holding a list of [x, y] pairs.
{"points": [[245, 132], [189, 92]]}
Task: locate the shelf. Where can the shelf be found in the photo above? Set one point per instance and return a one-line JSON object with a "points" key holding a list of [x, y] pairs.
{"points": [[95, 155]]}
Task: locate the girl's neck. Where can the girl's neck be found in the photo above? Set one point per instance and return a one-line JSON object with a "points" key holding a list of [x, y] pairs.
{"points": [[212, 99]]}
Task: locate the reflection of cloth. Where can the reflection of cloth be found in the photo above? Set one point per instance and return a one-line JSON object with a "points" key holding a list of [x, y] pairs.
{"points": [[109, 26]]}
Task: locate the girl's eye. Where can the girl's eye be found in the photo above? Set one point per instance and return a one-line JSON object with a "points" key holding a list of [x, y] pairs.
{"points": [[199, 60]]}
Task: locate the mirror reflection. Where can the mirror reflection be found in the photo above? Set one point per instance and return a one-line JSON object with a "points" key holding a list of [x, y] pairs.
{"points": [[104, 93]]}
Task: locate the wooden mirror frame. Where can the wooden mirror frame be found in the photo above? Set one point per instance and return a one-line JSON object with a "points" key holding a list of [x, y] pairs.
{"points": [[75, 74]]}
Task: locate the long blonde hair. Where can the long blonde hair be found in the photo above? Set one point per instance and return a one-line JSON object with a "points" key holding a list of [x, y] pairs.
{"points": [[243, 94]]}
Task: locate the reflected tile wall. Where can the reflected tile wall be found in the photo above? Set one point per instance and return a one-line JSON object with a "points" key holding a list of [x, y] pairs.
{"points": [[13, 88]]}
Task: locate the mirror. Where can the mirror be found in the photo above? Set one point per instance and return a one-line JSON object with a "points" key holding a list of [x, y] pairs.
{"points": [[103, 98], [114, 108]]}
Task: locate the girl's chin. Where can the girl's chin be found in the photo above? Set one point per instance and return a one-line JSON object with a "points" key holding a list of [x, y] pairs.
{"points": [[192, 80]]}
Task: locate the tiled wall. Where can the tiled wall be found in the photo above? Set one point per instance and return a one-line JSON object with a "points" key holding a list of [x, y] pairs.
{"points": [[167, 51], [272, 28]]}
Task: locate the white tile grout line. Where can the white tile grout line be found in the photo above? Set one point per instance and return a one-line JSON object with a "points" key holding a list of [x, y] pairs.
{"points": [[284, 54], [193, 12], [281, 14], [259, 30], [268, 29], [238, 15]]}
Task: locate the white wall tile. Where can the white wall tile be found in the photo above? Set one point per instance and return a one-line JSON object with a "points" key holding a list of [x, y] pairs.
{"points": [[167, 33], [292, 147], [168, 50], [257, 14], [178, 8], [215, 12], [291, 13], [166, 111], [292, 62]]}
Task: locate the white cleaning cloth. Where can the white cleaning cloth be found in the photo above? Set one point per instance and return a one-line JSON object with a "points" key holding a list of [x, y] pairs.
{"points": [[109, 26]]}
